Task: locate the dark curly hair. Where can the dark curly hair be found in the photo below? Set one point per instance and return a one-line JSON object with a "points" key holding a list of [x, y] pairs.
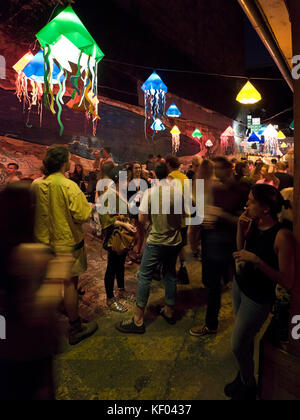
{"points": [[54, 160]]}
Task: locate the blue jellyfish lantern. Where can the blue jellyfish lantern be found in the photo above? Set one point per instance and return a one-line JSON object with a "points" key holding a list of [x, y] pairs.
{"points": [[262, 130], [155, 97], [253, 138], [173, 112], [158, 125], [35, 70]]}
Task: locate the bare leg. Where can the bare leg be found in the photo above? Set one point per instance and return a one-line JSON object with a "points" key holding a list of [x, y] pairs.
{"points": [[139, 316], [71, 299]]}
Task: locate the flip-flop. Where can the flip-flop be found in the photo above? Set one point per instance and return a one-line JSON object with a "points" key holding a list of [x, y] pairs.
{"points": [[170, 321]]}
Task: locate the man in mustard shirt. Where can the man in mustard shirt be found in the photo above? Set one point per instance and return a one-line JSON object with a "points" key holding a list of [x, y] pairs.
{"points": [[173, 165], [61, 211]]}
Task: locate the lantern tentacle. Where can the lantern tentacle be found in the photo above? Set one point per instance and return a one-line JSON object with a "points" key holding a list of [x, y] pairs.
{"points": [[58, 102], [47, 53], [74, 79]]}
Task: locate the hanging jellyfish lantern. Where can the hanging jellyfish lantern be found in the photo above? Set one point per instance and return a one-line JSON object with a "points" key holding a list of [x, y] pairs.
{"points": [[271, 141], [67, 41], [21, 80], [175, 139], [157, 126], [262, 130], [197, 134], [249, 95], [173, 112], [281, 136], [30, 79], [228, 133], [155, 98], [209, 144]]}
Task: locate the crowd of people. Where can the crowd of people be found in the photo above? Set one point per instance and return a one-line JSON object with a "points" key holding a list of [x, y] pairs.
{"points": [[245, 238]]}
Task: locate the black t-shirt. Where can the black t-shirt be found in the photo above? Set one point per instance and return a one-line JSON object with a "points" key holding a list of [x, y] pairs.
{"points": [[286, 180], [232, 199], [252, 281]]}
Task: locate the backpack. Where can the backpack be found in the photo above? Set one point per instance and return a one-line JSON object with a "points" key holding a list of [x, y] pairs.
{"points": [[122, 241]]}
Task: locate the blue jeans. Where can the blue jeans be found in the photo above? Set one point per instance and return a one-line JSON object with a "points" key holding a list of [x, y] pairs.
{"points": [[250, 317], [217, 264], [154, 256]]}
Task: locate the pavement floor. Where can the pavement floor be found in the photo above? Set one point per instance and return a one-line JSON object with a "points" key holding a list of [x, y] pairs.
{"points": [[164, 364]]}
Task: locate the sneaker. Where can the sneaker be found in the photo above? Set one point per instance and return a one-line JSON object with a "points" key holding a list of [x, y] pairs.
{"points": [[170, 321], [245, 393], [129, 327], [117, 307], [231, 388], [202, 331], [81, 332]]}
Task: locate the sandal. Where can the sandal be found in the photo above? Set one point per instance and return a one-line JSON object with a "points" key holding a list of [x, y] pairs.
{"points": [[170, 321], [128, 261], [117, 307], [129, 297]]}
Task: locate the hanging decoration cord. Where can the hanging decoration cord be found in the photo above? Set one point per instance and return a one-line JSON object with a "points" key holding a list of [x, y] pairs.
{"points": [[200, 73]]}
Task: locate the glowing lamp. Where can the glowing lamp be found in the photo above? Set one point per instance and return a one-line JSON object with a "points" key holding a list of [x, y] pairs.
{"points": [[158, 125], [281, 136], [292, 126], [66, 40], [175, 139], [19, 66], [154, 82], [229, 132], [262, 130], [249, 95], [284, 146], [68, 24], [253, 138], [35, 70], [173, 112], [197, 134], [271, 131], [209, 144], [175, 130]]}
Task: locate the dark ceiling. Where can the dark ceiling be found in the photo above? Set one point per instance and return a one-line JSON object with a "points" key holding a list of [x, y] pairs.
{"points": [[183, 35]]}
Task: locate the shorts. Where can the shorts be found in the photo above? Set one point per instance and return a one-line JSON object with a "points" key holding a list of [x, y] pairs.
{"points": [[69, 263], [80, 265]]}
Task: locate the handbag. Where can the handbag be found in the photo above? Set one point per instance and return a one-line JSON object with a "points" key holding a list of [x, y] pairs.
{"points": [[122, 240], [183, 276]]}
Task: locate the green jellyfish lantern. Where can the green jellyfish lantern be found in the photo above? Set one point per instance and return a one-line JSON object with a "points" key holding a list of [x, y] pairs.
{"points": [[67, 41]]}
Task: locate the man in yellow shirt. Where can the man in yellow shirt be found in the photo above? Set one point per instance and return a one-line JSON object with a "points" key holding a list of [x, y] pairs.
{"points": [[173, 165], [61, 211]]}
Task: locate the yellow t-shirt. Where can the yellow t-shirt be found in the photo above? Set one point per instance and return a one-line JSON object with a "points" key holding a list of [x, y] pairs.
{"points": [[177, 175]]}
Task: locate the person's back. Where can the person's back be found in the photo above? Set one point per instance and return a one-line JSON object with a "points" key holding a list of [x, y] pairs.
{"points": [[165, 227], [286, 180], [61, 210]]}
